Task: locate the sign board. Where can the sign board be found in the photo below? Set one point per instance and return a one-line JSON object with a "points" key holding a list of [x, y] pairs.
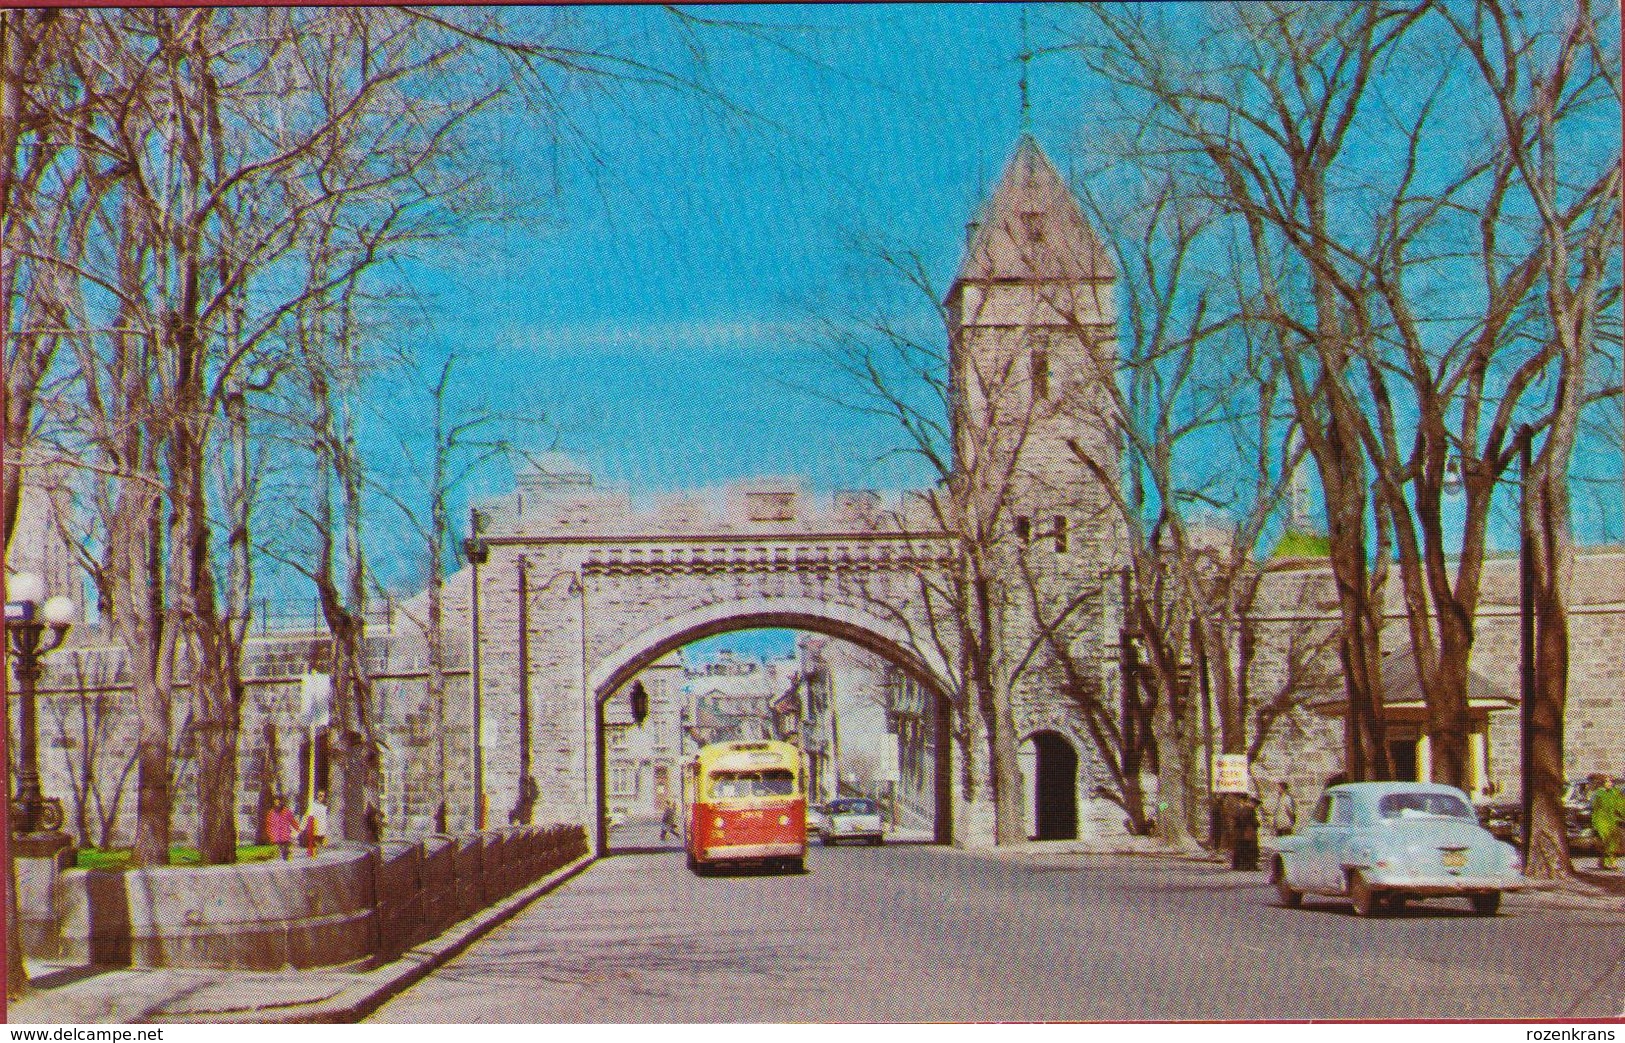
{"points": [[1230, 773], [19, 611], [315, 697]]}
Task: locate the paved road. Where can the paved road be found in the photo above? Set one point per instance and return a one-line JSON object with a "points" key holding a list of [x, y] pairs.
{"points": [[917, 933]]}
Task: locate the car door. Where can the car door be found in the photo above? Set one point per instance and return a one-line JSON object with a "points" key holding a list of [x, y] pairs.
{"points": [[1329, 837], [1298, 852]]}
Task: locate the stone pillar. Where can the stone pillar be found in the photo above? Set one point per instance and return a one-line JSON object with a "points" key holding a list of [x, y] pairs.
{"points": [[1478, 767]]}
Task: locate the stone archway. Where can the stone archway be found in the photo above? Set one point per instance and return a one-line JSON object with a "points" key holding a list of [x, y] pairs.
{"points": [[616, 672], [1051, 765]]}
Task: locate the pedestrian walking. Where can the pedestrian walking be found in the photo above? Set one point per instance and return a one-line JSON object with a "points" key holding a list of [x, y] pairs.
{"points": [[1284, 815], [668, 821], [1608, 819], [280, 825], [316, 823]]}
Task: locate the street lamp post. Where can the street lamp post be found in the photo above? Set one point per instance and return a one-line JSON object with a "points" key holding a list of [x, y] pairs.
{"points": [[477, 552], [32, 630], [1526, 645]]}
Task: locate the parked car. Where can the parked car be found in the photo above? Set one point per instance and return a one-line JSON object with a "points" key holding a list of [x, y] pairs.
{"points": [[1583, 840], [817, 819], [1504, 819], [1384, 843], [852, 818]]}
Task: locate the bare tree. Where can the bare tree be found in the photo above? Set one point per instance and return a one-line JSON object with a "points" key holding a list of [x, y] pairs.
{"points": [[1540, 88], [1388, 380], [1269, 103], [92, 722]]}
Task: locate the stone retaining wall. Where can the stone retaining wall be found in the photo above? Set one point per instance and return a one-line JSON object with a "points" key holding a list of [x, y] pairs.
{"points": [[347, 905]]}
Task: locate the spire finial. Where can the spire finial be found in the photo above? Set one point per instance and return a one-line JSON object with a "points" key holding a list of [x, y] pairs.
{"points": [[1025, 58]]}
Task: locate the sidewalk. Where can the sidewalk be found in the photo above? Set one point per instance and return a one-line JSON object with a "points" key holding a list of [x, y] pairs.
{"points": [[1592, 888], [88, 995]]}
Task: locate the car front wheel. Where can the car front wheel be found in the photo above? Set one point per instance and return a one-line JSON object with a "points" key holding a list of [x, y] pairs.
{"points": [[1487, 905], [1289, 897], [1361, 896]]}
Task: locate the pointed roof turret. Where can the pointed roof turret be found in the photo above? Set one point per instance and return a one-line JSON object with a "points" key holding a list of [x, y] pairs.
{"points": [[1032, 229]]}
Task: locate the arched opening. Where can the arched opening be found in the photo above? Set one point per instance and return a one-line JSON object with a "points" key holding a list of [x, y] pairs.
{"points": [[1051, 765], [900, 758]]}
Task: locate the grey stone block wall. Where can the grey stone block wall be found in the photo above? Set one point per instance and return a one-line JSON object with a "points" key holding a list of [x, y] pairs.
{"points": [[346, 905]]}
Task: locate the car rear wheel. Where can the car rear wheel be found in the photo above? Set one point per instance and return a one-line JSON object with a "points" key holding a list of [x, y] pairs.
{"points": [[1361, 896], [1487, 905], [1396, 902], [1289, 897]]}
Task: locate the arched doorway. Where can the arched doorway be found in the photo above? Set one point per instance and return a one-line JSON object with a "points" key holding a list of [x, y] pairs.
{"points": [[912, 783], [1054, 788]]}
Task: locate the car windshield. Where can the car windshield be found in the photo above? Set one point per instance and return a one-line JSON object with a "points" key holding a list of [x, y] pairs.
{"points": [[1418, 805], [733, 785], [853, 807]]}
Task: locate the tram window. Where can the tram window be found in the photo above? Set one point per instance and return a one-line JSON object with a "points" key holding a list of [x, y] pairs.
{"points": [[776, 782]]}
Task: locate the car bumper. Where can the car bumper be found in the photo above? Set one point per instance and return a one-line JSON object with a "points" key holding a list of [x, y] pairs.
{"points": [[751, 852], [1442, 885]]}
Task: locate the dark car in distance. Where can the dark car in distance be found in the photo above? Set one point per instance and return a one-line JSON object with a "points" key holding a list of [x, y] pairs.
{"points": [[1505, 818]]}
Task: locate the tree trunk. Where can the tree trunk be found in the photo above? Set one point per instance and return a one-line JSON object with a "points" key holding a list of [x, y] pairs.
{"points": [[1546, 514], [137, 625], [270, 778]]}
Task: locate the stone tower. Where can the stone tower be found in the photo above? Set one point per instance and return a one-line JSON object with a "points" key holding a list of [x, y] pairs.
{"points": [[1032, 334]]}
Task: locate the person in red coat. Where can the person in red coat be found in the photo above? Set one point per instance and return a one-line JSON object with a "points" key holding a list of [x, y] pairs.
{"points": [[280, 824]]}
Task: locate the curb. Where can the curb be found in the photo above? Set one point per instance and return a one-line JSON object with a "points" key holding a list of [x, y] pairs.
{"points": [[1552, 894], [372, 989]]}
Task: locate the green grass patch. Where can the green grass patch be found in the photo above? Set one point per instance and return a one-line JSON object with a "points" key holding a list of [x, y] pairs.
{"points": [[179, 855], [1302, 545]]}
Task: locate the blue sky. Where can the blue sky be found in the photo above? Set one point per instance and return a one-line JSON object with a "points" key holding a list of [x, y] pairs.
{"points": [[656, 292], [658, 315], [655, 297]]}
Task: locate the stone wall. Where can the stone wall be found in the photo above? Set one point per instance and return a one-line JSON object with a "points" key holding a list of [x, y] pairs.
{"points": [[85, 710], [346, 905], [1296, 633]]}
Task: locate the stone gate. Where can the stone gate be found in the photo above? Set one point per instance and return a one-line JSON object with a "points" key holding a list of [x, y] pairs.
{"points": [[609, 588]]}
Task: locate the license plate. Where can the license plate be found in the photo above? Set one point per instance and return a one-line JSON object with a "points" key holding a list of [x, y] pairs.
{"points": [[1453, 859]]}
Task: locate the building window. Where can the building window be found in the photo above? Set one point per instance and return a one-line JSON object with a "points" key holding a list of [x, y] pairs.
{"points": [[1033, 222], [1060, 534], [1040, 373], [1024, 529]]}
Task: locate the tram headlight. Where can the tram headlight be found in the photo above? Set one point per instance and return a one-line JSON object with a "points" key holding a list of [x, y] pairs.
{"points": [[719, 822], [784, 820]]}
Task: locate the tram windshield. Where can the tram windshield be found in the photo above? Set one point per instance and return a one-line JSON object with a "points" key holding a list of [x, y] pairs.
{"points": [[734, 785]]}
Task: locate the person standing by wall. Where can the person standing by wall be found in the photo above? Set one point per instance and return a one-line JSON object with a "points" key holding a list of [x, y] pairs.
{"points": [[280, 825], [1284, 813], [316, 823]]}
